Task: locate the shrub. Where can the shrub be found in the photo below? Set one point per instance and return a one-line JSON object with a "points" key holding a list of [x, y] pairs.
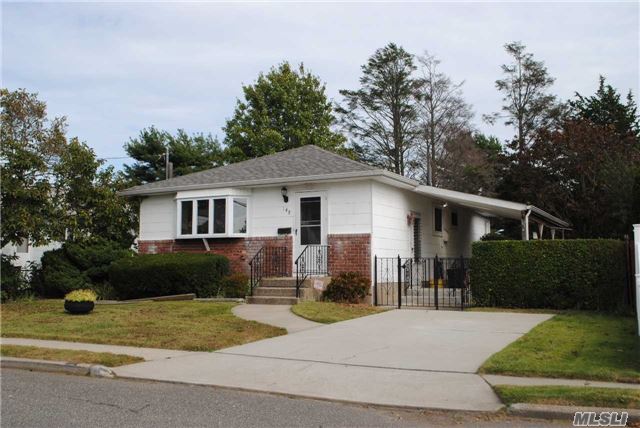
{"points": [[14, 282], [152, 275], [560, 274], [348, 287], [81, 296], [234, 285], [77, 266]]}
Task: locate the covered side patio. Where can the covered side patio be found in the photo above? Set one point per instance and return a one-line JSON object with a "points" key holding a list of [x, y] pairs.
{"points": [[535, 221]]}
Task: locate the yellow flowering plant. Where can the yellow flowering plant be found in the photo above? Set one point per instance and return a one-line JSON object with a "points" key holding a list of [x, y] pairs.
{"points": [[81, 296]]}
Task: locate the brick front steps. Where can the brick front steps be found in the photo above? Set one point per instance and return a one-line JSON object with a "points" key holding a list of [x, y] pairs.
{"points": [[282, 291], [275, 291]]}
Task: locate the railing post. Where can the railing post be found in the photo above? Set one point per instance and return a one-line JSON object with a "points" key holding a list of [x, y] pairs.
{"points": [[297, 282], [251, 276], [436, 280], [462, 275], [399, 282], [375, 280]]}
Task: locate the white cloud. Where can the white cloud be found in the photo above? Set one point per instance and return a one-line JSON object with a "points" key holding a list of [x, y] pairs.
{"points": [[114, 68]]}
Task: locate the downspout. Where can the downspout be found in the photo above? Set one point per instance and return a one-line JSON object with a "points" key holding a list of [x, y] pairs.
{"points": [[525, 220]]}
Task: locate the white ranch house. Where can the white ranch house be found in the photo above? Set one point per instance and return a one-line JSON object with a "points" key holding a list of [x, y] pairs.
{"points": [[329, 213]]}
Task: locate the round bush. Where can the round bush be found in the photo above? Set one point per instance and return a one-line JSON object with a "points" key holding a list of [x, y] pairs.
{"points": [[348, 287]]}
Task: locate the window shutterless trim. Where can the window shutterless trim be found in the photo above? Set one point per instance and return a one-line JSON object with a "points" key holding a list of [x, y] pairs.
{"points": [[228, 218]]}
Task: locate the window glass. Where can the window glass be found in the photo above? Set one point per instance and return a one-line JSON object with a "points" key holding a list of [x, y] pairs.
{"points": [[310, 225], [219, 215], [186, 217], [437, 219], [454, 219], [203, 217], [239, 215]]}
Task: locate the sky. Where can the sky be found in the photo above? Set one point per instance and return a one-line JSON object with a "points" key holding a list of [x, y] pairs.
{"points": [[115, 68]]}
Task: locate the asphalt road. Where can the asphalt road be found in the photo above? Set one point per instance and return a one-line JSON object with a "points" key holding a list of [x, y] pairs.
{"points": [[36, 399]]}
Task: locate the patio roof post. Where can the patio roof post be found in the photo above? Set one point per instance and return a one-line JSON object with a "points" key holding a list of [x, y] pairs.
{"points": [[540, 230], [525, 225], [553, 234]]}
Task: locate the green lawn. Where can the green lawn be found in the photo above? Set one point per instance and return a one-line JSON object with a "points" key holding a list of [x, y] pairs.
{"points": [[70, 356], [193, 326], [513, 310], [570, 396], [327, 312], [579, 345]]}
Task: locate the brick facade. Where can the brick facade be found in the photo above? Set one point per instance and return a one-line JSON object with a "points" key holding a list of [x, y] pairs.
{"points": [[347, 253], [350, 253], [239, 251]]}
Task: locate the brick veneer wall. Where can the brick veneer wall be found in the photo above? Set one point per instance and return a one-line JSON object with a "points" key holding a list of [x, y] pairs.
{"points": [[239, 251], [350, 253]]}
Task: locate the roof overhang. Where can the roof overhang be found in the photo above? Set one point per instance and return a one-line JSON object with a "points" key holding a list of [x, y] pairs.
{"points": [[378, 173], [493, 207]]}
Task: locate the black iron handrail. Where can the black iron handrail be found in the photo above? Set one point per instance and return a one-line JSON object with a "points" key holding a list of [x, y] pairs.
{"points": [[313, 260], [268, 261]]}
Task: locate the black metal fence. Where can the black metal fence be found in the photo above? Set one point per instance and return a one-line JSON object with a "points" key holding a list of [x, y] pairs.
{"points": [[437, 282], [268, 262]]}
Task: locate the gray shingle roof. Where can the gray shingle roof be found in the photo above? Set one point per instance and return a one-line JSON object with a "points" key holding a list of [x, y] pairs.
{"points": [[305, 161]]}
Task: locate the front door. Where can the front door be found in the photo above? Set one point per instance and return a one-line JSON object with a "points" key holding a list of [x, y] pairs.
{"points": [[311, 224]]}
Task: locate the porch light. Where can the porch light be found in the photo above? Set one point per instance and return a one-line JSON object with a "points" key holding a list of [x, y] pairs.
{"points": [[285, 198]]}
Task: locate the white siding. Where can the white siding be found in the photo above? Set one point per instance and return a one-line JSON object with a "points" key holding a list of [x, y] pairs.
{"points": [[393, 235], [33, 255], [349, 209], [268, 212], [158, 218]]}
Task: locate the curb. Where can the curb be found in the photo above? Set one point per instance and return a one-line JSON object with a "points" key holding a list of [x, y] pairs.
{"points": [[94, 370], [542, 411]]}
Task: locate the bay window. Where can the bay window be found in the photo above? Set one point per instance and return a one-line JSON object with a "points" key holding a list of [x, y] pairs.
{"points": [[212, 217]]}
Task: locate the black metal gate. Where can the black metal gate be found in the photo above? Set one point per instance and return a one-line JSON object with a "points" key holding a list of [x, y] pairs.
{"points": [[433, 282]]}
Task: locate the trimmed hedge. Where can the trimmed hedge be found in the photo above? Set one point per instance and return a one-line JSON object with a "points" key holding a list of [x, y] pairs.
{"points": [[152, 275], [562, 274]]}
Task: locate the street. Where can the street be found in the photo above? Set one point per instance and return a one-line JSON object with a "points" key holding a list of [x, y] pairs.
{"points": [[36, 399]]}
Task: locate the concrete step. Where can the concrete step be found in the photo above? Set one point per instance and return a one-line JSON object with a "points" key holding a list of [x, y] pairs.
{"points": [[275, 291], [278, 282], [270, 300]]}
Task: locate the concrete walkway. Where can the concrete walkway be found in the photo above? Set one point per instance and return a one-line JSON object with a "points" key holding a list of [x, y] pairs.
{"points": [[277, 315], [543, 381], [149, 354], [403, 358]]}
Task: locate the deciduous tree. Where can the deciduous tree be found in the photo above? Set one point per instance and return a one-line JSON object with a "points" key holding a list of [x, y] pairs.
{"points": [[29, 145], [445, 119], [281, 110]]}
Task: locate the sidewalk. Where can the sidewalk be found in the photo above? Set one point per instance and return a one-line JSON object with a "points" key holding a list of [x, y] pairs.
{"points": [[277, 315], [543, 381], [149, 354]]}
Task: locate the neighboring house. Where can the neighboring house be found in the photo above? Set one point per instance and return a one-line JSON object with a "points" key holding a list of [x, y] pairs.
{"points": [[26, 254], [340, 211]]}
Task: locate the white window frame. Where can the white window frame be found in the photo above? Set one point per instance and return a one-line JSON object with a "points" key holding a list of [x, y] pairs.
{"points": [[228, 233]]}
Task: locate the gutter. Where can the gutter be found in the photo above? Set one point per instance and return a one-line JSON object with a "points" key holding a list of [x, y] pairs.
{"points": [[269, 182]]}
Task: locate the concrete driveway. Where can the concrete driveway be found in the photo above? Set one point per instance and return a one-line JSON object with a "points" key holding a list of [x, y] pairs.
{"points": [[406, 358]]}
